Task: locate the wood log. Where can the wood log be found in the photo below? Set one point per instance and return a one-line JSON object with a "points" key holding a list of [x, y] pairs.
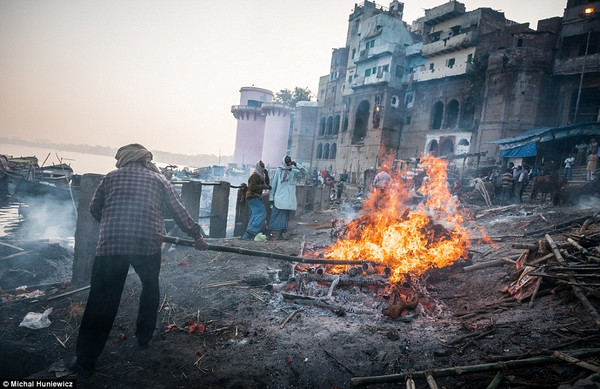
{"points": [[559, 227], [431, 382], [586, 223], [543, 259], [579, 247], [529, 246], [576, 289], [496, 381], [11, 246], [15, 255], [584, 251], [290, 317], [538, 283], [509, 261], [314, 302], [344, 280], [470, 369], [567, 358], [68, 293]]}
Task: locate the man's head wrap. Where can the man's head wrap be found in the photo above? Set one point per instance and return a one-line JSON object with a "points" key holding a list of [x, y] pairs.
{"points": [[259, 170], [285, 169], [135, 152]]}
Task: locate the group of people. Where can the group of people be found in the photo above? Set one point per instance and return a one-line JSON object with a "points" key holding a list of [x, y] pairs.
{"points": [[130, 205], [513, 182], [282, 197], [584, 154]]}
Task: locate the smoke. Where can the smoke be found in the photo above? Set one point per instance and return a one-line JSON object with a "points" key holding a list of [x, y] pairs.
{"points": [[45, 217], [588, 201]]}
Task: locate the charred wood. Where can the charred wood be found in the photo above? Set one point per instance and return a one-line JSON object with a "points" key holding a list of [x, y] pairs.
{"points": [[576, 289], [344, 280], [470, 369]]}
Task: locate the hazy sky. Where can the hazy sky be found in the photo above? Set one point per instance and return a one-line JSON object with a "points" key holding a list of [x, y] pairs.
{"points": [[165, 73]]}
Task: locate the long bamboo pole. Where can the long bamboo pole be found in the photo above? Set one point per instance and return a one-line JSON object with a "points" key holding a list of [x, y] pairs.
{"points": [[266, 254], [460, 370]]}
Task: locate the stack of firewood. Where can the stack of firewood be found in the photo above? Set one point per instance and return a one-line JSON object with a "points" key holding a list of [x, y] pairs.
{"points": [[574, 264]]}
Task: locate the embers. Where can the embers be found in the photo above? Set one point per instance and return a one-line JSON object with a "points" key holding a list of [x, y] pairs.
{"points": [[402, 299], [358, 289]]}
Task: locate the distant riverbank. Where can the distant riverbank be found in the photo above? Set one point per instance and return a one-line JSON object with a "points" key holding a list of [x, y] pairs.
{"points": [[78, 154], [80, 162]]}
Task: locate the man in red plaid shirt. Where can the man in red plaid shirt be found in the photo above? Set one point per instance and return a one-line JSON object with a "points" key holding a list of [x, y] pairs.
{"points": [[128, 203]]}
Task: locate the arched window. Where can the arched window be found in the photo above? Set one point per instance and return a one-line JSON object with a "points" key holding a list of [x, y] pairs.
{"points": [[336, 124], [330, 125], [447, 147], [361, 121], [433, 148], [319, 151], [452, 114], [437, 114], [463, 142], [345, 125], [322, 128], [326, 151], [333, 151]]}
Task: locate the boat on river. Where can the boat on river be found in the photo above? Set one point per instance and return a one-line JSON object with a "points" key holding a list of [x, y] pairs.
{"points": [[23, 177]]}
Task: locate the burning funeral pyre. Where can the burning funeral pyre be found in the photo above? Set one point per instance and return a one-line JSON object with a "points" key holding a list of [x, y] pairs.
{"points": [[401, 232]]}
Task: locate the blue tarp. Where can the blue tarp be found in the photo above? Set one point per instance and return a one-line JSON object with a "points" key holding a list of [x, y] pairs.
{"points": [[528, 150], [525, 145]]}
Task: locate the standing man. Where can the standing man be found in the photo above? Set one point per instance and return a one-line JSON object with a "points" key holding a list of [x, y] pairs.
{"points": [[507, 186], [283, 195], [382, 179], [592, 163], [128, 203], [569, 167], [258, 214]]}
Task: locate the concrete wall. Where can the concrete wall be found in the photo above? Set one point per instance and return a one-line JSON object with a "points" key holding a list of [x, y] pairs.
{"points": [[86, 232]]}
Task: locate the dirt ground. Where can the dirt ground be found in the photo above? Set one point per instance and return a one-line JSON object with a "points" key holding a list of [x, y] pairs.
{"points": [[222, 318]]}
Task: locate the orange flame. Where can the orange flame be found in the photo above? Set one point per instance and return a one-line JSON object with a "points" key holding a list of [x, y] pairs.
{"points": [[407, 238]]}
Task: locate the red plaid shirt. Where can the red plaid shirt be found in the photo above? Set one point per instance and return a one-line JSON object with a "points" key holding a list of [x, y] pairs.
{"points": [[129, 203]]}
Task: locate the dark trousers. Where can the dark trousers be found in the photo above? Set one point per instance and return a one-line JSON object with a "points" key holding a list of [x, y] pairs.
{"points": [[108, 278]]}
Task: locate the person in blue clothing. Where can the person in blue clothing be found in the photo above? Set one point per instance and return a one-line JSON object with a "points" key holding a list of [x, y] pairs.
{"points": [[282, 196], [257, 182]]}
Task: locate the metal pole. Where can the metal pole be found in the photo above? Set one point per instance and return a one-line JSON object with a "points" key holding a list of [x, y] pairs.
{"points": [[587, 44]]}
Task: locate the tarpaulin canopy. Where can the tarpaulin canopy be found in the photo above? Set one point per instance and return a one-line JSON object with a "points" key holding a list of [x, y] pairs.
{"points": [[525, 145]]}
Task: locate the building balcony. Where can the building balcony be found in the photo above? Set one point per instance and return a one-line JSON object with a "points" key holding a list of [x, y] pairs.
{"points": [[245, 112], [414, 49], [444, 12], [276, 109], [377, 51], [373, 79], [448, 45], [456, 70], [567, 66]]}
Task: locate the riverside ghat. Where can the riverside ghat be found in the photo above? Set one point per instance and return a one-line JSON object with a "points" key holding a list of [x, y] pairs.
{"points": [[404, 290]]}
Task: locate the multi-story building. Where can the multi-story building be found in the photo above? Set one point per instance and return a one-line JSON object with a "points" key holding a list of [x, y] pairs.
{"points": [[360, 100], [577, 64], [452, 83]]}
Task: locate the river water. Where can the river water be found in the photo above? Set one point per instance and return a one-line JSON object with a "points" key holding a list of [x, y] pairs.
{"points": [[49, 220]]}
